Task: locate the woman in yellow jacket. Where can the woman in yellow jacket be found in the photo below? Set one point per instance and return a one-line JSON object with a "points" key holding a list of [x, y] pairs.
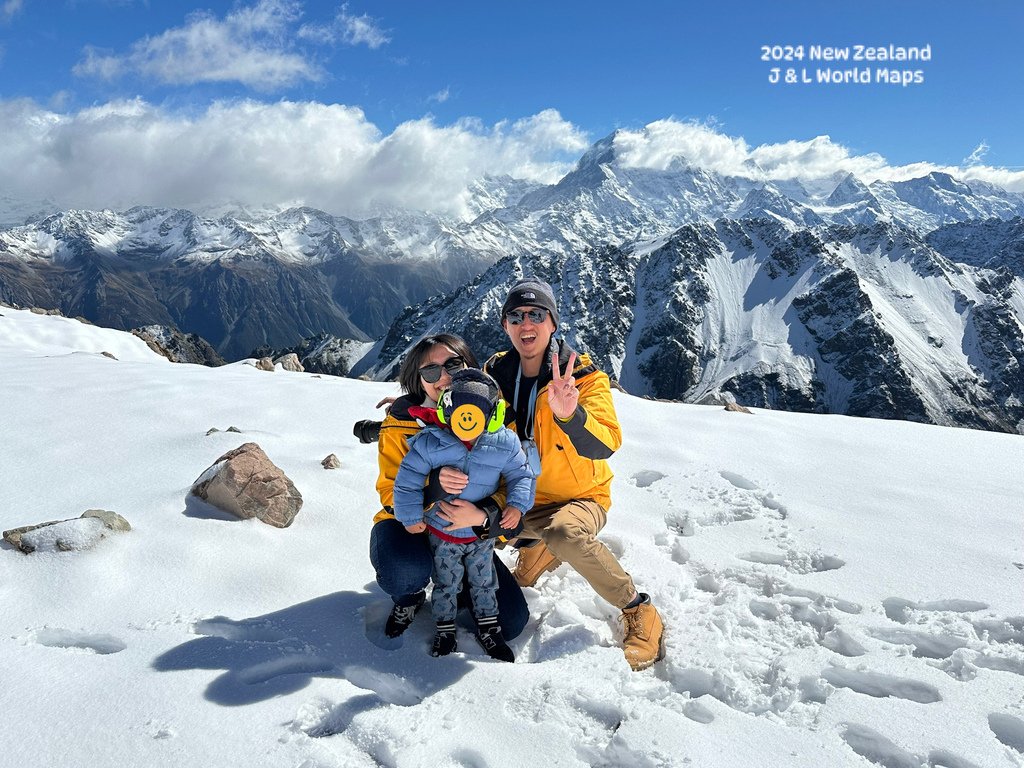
{"points": [[402, 560]]}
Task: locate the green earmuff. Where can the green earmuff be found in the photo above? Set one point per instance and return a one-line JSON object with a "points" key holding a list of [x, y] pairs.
{"points": [[497, 420], [442, 401]]}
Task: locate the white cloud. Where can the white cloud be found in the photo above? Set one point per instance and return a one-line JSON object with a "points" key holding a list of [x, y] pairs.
{"points": [[664, 142], [348, 29], [329, 156], [9, 8], [441, 96], [249, 46], [976, 156]]}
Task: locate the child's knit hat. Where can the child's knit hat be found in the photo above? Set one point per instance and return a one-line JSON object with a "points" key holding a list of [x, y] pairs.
{"points": [[469, 402]]}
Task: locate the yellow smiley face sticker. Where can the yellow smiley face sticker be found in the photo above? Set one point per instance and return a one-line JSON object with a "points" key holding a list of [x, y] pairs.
{"points": [[467, 422]]}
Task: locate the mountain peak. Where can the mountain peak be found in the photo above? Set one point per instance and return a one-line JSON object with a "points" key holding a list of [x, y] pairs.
{"points": [[849, 190], [947, 182]]}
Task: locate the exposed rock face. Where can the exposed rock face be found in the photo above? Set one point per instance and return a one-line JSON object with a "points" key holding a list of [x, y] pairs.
{"points": [[867, 320], [179, 347], [67, 535], [247, 484], [265, 364], [322, 353], [331, 462]]}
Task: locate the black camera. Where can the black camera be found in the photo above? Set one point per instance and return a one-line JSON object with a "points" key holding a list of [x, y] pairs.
{"points": [[367, 430]]}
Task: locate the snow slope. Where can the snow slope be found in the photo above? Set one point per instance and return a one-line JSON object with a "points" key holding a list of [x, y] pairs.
{"points": [[837, 591]]}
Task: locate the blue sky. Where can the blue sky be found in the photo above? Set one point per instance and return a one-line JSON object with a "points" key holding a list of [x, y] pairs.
{"points": [[483, 69]]}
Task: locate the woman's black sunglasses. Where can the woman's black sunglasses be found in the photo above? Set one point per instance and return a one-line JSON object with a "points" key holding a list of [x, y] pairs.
{"points": [[432, 373], [516, 316]]}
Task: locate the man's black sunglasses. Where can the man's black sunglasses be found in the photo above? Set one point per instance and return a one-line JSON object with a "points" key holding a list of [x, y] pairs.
{"points": [[516, 316], [432, 373]]}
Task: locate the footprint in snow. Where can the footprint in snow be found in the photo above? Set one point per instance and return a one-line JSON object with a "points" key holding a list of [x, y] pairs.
{"points": [[846, 606], [1000, 631], [698, 712], [752, 502], [1008, 729], [739, 481], [882, 686], [876, 748], [708, 582], [680, 554], [237, 631], [898, 609], [796, 562], [830, 635], [999, 663], [925, 644], [392, 689], [66, 638], [680, 524], [645, 478]]}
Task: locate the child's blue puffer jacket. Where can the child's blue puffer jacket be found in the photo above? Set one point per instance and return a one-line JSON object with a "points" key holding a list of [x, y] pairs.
{"points": [[495, 455]]}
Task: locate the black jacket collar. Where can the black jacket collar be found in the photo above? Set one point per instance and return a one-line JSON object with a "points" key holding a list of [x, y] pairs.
{"points": [[505, 368]]}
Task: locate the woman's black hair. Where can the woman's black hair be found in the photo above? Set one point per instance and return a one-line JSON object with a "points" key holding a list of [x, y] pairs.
{"points": [[409, 374]]}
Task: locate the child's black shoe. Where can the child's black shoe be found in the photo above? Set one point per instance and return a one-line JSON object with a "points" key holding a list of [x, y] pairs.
{"points": [[444, 640], [493, 642], [401, 617]]}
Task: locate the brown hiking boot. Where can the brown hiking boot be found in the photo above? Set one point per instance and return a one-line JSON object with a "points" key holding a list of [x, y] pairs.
{"points": [[534, 561], [644, 634]]}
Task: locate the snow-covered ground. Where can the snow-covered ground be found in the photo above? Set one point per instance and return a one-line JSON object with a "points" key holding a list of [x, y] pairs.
{"points": [[837, 592]]}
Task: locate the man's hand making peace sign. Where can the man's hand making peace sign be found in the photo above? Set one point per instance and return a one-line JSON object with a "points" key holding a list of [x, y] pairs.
{"points": [[562, 392]]}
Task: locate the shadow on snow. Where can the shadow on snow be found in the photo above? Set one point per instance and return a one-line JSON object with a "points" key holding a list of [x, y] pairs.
{"points": [[336, 636]]}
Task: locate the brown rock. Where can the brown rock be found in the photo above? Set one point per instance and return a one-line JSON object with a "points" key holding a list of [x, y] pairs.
{"points": [[112, 520], [67, 535], [108, 354], [265, 364], [737, 408], [13, 536], [290, 362], [247, 484], [331, 462]]}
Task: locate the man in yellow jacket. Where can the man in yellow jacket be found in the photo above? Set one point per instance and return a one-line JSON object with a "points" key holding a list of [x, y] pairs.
{"points": [[563, 411]]}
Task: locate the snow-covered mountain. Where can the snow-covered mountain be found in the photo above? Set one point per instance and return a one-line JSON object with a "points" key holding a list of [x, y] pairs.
{"points": [[836, 592], [936, 199], [867, 320], [901, 299], [238, 282]]}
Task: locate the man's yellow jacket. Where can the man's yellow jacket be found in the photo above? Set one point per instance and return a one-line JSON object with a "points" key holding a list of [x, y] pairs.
{"points": [[573, 452]]}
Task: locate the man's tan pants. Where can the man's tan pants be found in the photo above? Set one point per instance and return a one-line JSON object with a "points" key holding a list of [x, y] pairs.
{"points": [[569, 529]]}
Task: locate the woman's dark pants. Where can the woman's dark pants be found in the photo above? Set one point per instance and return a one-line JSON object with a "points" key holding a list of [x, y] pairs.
{"points": [[403, 563]]}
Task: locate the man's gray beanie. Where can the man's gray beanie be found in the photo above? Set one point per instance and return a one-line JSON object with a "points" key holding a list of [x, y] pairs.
{"points": [[531, 292]]}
